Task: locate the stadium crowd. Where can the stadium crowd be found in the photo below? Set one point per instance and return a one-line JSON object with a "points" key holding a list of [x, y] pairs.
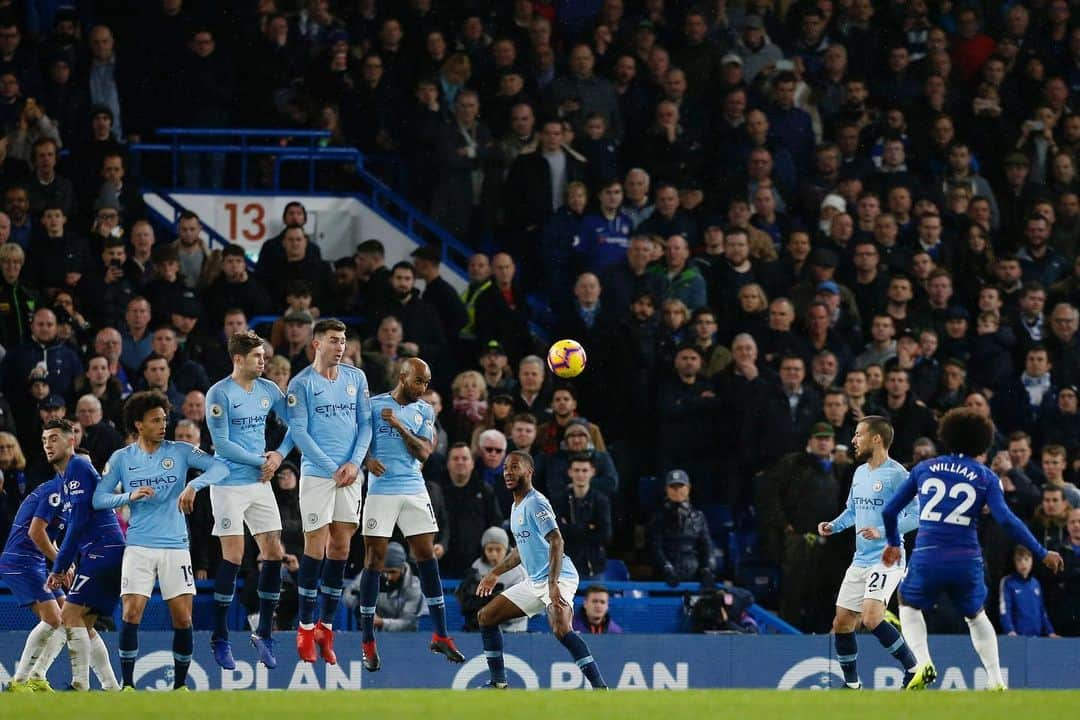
{"points": [[764, 221]]}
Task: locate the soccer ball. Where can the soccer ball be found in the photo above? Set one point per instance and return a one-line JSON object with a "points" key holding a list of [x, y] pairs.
{"points": [[566, 358]]}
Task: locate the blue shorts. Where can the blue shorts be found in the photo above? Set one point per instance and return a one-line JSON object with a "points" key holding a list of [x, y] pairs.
{"points": [[960, 578], [97, 579], [27, 584]]}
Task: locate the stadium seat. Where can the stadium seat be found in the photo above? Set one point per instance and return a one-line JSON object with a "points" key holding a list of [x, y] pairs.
{"points": [[616, 571]]}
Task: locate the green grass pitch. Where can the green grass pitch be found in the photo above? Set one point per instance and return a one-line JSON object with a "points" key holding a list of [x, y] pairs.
{"points": [[487, 704]]}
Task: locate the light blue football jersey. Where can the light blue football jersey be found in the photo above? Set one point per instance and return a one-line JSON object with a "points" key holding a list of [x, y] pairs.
{"points": [[156, 522], [237, 422], [531, 521], [870, 490], [330, 420], [402, 476]]}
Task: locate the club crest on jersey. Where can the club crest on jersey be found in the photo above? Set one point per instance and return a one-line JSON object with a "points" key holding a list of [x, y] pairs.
{"points": [[226, 524], [216, 410], [877, 486], [371, 523], [167, 463], [419, 418], [264, 403], [291, 400], [351, 389], [54, 499]]}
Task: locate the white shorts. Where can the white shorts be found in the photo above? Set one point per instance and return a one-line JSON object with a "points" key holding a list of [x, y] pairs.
{"points": [[533, 598], [323, 502], [869, 583], [235, 505], [170, 566], [412, 513]]}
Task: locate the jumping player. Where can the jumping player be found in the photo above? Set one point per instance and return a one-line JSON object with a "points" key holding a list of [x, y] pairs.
{"points": [[403, 435], [952, 490]]}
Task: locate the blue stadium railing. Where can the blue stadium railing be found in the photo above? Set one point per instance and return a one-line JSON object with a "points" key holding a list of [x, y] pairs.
{"points": [[639, 607], [372, 191]]}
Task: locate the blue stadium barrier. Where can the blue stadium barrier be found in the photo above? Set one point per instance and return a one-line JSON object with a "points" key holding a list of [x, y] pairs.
{"points": [[376, 194], [616, 571], [628, 662], [639, 607]]}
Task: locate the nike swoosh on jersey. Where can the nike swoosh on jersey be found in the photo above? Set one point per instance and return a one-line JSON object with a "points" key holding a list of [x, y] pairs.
{"points": [[320, 392], [236, 405]]}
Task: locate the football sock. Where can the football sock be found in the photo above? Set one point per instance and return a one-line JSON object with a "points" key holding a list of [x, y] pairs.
{"points": [[79, 651], [493, 652], [183, 644], [101, 664], [333, 579], [913, 625], [847, 651], [269, 594], [48, 655], [129, 650], [307, 581], [431, 585], [580, 652], [985, 641], [369, 595], [224, 588], [33, 649], [891, 640]]}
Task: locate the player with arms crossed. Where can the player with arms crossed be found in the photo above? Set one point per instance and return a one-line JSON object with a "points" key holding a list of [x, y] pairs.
{"points": [[403, 436], [93, 539], [952, 490], [23, 569], [552, 578], [868, 584], [151, 473], [236, 411], [328, 401]]}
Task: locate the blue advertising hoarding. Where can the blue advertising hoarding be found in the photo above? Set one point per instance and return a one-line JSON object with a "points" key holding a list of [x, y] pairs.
{"points": [[629, 662]]}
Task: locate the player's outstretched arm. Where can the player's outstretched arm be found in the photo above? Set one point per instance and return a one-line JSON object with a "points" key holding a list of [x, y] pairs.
{"points": [[995, 500], [213, 471], [897, 504], [842, 521]]}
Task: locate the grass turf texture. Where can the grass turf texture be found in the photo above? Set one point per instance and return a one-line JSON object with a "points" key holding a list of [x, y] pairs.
{"points": [[447, 705]]}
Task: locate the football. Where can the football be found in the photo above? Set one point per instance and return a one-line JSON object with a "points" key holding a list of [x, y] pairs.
{"points": [[566, 358]]}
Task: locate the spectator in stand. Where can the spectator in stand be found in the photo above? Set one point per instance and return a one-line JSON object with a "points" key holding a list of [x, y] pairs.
{"points": [[802, 486], [910, 417], [780, 419], [100, 438], [465, 146], [577, 443], [1022, 611], [1064, 343], [584, 515], [495, 366], [688, 416], [100, 384], [1050, 522], [1054, 461], [401, 603], [297, 348], [470, 404], [679, 543], [191, 249], [494, 546], [684, 280], [502, 312], [45, 187], [1063, 590], [235, 287], [438, 292], [593, 616], [187, 374], [13, 486], [1060, 423], [207, 83], [42, 349], [471, 508], [17, 299], [297, 264], [155, 374]]}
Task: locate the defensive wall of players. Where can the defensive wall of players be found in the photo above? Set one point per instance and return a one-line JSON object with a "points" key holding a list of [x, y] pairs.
{"points": [[630, 662]]}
